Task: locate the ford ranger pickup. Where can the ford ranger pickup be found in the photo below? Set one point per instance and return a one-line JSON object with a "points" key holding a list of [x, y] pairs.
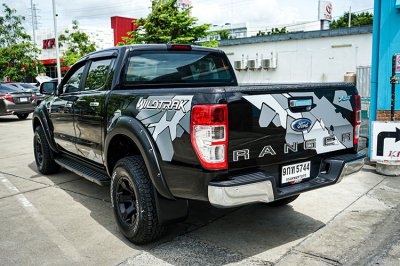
{"points": [[164, 124]]}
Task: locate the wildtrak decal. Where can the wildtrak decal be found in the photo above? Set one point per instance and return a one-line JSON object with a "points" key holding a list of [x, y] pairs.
{"points": [[162, 105]]}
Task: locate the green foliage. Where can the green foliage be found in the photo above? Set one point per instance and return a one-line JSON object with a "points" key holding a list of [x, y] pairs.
{"points": [[97, 77], [167, 22], [260, 33], [223, 34], [274, 31], [212, 44], [17, 52], [361, 19], [77, 42]]}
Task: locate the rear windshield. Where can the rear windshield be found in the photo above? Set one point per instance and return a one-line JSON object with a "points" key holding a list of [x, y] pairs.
{"points": [[28, 86], [9, 88], [177, 67]]}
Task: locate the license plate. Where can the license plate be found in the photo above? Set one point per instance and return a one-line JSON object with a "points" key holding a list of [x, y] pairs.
{"points": [[23, 100], [295, 173]]}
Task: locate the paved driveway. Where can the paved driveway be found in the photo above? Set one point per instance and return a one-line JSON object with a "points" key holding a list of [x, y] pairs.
{"points": [[64, 219]]}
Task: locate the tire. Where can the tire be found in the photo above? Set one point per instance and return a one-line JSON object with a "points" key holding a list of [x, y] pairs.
{"points": [[282, 202], [43, 154], [133, 201], [22, 116]]}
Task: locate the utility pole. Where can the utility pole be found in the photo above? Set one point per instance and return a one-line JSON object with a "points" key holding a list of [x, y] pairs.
{"points": [[350, 17], [34, 26], [56, 41]]}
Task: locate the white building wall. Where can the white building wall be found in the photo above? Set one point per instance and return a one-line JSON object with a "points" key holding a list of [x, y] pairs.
{"points": [[324, 59]]}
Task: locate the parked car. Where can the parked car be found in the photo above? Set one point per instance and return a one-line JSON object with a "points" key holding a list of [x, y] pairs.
{"points": [[36, 95], [168, 123], [15, 100]]}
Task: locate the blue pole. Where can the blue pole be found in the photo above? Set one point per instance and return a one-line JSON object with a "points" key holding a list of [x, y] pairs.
{"points": [[375, 68]]}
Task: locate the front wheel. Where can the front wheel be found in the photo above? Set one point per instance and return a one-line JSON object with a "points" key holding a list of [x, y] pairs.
{"points": [[282, 202], [133, 201], [43, 154], [22, 116]]}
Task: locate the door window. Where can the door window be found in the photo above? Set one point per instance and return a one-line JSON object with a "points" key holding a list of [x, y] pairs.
{"points": [[72, 85], [98, 74]]}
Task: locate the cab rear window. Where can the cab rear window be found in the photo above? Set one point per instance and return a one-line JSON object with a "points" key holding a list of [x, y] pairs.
{"points": [[177, 67]]}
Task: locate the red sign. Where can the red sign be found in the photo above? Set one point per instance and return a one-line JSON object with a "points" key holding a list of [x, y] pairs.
{"points": [[49, 43]]}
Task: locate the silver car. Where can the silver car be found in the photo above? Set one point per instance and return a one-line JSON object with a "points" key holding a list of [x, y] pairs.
{"points": [[30, 88], [16, 101]]}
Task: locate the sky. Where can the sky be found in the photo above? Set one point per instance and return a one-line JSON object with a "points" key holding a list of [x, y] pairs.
{"points": [[256, 13]]}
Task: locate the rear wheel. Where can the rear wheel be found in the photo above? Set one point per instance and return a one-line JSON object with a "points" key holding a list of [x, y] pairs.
{"points": [[133, 200], [22, 116], [43, 154], [282, 202]]}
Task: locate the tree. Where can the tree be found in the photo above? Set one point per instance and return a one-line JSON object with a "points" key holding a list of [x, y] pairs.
{"points": [[361, 19], [167, 22], [77, 44], [18, 55]]}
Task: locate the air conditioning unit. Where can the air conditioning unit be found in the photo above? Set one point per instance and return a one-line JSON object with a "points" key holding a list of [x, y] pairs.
{"points": [[240, 65], [253, 64], [268, 63]]}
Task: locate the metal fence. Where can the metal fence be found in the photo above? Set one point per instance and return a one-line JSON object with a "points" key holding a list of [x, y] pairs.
{"points": [[364, 89], [364, 81]]}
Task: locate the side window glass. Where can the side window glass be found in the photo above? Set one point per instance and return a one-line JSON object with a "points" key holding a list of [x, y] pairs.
{"points": [[98, 74], [72, 85]]}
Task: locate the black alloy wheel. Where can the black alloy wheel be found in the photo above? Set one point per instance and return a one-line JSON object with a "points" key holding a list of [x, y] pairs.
{"points": [[38, 149], [126, 201]]}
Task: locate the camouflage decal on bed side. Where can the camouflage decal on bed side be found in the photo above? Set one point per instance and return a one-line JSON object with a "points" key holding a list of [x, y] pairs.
{"points": [[166, 118]]}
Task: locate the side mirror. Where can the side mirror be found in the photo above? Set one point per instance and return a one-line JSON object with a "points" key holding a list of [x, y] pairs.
{"points": [[48, 88]]}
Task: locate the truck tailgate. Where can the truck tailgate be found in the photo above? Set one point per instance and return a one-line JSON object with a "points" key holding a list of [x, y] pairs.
{"points": [[286, 124]]}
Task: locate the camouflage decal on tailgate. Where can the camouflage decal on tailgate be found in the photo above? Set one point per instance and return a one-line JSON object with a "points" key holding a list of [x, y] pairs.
{"points": [[323, 125]]}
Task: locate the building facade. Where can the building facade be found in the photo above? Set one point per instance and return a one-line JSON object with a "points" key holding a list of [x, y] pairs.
{"points": [[103, 38], [315, 56]]}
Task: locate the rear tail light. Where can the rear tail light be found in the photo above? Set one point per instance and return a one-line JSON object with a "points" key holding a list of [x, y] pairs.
{"points": [[33, 97], [357, 118], [209, 135], [7, 97]]}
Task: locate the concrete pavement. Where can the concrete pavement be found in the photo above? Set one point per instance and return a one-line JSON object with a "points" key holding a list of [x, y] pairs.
{"points": [[65, 220]]}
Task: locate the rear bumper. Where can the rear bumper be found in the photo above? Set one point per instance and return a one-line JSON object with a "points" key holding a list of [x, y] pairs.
{"points": [[260, 187]]}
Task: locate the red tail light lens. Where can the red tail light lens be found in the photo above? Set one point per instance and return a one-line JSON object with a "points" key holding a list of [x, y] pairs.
{"points": [[357, 118], [33, 97], [209, 135], [7, 97]]}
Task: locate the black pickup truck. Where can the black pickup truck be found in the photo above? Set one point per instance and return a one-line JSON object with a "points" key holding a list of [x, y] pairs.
{"points": [[168, 123]]}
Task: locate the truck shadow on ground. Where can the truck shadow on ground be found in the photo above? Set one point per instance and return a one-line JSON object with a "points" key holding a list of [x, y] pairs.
{"points": [[247, 231], [13, 118]]}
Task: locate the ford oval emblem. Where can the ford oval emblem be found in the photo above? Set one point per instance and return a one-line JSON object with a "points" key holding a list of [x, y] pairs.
{"points": [[302, 124]]}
